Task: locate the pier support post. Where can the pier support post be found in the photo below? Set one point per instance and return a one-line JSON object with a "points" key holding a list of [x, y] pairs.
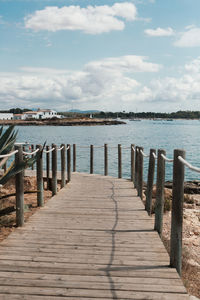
{"points": [[177, 211], [136, 167], [54, 170], [91, 159], [105, 159], [68, 163], [140, 173], [63, 165], [160, 198], [32, 149], [74, 157], [119, 161], [151, 171], [48, 168], [39, 175], [5, 167], [132, 163], [19, 185]]}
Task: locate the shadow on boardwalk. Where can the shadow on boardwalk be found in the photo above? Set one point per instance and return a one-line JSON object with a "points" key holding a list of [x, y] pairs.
{"points": [[92, 240]]}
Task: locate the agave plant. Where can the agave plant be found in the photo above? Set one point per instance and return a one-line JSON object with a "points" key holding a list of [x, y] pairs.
{"points": [[7, 141]]}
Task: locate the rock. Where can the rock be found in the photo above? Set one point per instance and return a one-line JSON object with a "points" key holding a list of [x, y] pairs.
{"points": [[193, 298], [190, 187], [167, 193], [193, 263], [189, 206]]}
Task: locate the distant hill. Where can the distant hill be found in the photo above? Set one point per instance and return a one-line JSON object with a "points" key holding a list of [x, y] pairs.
{"points": [[83, 111]]}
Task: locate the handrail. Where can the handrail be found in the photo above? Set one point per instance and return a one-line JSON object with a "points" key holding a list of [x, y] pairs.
{"points": [[155, 156], [187, 164], [31, 153], [59, 149], [98, 147], [9, 154], [143, 154], [166, 158], [48, 151]]}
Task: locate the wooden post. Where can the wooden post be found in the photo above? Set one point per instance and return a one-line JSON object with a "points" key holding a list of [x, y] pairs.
{"points": [[32, 149], [5, 167], [105, 159], [48, 168], [136, 167], [151, 171], [74, 157], [177, 211], [68, 163], [132, 163], [39, 175], [160, 186], [91, 158], [119, 161], [54, 170], [63, 166], [19, 185], [140, 173]]}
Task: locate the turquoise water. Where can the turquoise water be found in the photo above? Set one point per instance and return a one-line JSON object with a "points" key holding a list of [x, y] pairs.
{"points": [[182, 134]]}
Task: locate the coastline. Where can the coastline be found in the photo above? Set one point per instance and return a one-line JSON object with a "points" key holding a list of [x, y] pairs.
{"points": [[63, 122]]}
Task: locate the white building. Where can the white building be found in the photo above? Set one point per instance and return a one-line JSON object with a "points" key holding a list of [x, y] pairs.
{"points": [[6, 116], [41, 114], [19, 117]]}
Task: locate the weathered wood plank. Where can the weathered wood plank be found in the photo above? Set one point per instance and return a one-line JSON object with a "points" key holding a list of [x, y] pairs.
{"points": [[93, 240], [138, 296]]}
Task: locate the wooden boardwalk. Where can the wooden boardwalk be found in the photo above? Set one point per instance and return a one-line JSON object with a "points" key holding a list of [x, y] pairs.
{"points": [[92, 240]]}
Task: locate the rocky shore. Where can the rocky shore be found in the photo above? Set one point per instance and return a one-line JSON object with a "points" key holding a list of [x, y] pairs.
{"points": [[63, 122], [190, 187]]}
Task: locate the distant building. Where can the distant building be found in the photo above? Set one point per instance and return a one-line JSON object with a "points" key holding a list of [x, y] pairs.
{"points": [[40, 114], [19, 117], [6, 116]]}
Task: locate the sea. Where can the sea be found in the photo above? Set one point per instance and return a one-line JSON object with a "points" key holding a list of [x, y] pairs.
{"points": [[157, 134]]}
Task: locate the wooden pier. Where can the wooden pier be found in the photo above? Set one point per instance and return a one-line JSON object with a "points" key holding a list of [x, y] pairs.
{"points": [[92, 240]]}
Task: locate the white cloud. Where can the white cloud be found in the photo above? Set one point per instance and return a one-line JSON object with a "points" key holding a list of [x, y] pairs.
{"points": [[193, 66], [189, 38], [101, 83], [158, 32], [91, 20], [107, 84], [128, 63]]}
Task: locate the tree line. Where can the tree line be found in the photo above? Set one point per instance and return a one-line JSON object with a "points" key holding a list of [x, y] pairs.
{"points": [[142, 115], [187, 114]]}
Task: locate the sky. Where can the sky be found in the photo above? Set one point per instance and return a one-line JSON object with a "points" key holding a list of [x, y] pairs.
{"points": [[137, 55]]}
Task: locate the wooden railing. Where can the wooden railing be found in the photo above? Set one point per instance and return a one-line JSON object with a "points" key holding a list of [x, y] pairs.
{"points": [[52, 180], [137, 157]]}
